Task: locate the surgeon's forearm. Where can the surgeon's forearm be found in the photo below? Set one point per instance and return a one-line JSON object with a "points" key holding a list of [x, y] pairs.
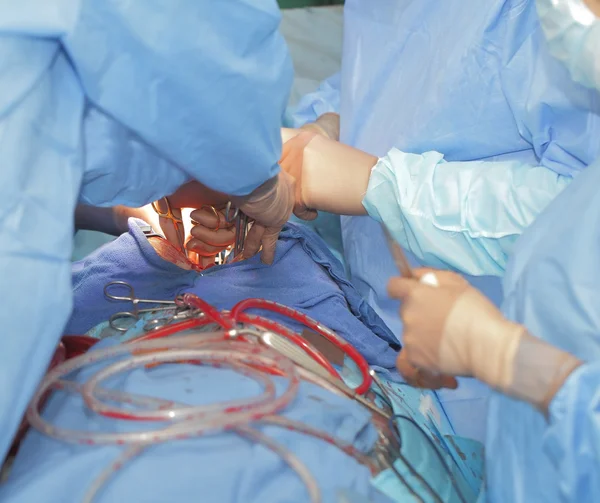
{"points": [[335, 176]]}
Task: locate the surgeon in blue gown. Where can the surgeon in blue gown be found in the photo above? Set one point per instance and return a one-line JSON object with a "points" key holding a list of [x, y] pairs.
{"points": [[476, 127], [109, 102], [543, 355]]}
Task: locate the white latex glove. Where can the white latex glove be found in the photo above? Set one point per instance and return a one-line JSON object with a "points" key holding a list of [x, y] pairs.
{"points": [[270, 206], [453, 329]]}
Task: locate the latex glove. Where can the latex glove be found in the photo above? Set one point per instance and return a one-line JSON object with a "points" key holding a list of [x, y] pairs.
{"points": [[292, 162], [327, 125], [330, 176], [453, 329], [270, 206], [210, 233], [594, 6], [420, 378], [189, 195]]}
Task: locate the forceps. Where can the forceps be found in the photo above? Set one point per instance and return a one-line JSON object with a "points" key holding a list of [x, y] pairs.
{"points": [[234, 215], [116, 320]]}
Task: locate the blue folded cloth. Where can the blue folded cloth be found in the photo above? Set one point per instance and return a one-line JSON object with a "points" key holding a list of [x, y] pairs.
{"points": [[305, 276]]}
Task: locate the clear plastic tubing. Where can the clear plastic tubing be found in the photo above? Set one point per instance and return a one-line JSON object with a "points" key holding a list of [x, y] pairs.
{"points": [[185, 421]]}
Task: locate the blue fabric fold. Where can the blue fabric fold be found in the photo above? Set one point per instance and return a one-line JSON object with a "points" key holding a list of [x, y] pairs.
{"points": [[305, 276]]}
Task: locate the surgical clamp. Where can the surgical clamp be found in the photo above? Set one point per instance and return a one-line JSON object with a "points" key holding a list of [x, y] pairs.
{"points": [[234, 215], [135, 313]]}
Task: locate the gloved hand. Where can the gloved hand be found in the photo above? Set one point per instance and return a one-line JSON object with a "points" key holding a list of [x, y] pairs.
{"points": [[453, 329], [270, 206], [594, 6], [189, 195], [327, 125], [329, 176], [210, 232], [292, 162], [420, 378]]}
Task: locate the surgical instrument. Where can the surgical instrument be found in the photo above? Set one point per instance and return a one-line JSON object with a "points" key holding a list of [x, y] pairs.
{"points": [[383, 393], [169, 215], [116, 320], [402, 262], [177, 316], [237, 217], [149, 232], [398, 254], [212, 352]]}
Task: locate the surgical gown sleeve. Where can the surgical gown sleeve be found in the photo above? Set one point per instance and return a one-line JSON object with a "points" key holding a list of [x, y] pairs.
{"points": [[204, 83], [41, 105], [326, 99], [120, 168], [572, 440], [466, 213], [460, 215]]}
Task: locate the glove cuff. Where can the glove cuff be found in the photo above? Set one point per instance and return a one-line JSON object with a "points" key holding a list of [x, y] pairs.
{"points": [[327, 125], [261, 192], [539, 371]]}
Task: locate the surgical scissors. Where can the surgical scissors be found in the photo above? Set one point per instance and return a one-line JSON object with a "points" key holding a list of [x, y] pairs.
{"points": [[234, 215], [116, 320]]}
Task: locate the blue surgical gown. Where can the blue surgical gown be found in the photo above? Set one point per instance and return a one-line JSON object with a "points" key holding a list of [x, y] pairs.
{"points": [[504, 127], [119, 103], [482, 127], [552, 287]]}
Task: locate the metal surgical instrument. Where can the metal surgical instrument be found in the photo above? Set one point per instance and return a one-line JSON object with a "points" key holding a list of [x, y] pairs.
{"points": [[237, 217], [398, 254], [383, 393], [169, 215], [116, 320], [402, 262]]}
